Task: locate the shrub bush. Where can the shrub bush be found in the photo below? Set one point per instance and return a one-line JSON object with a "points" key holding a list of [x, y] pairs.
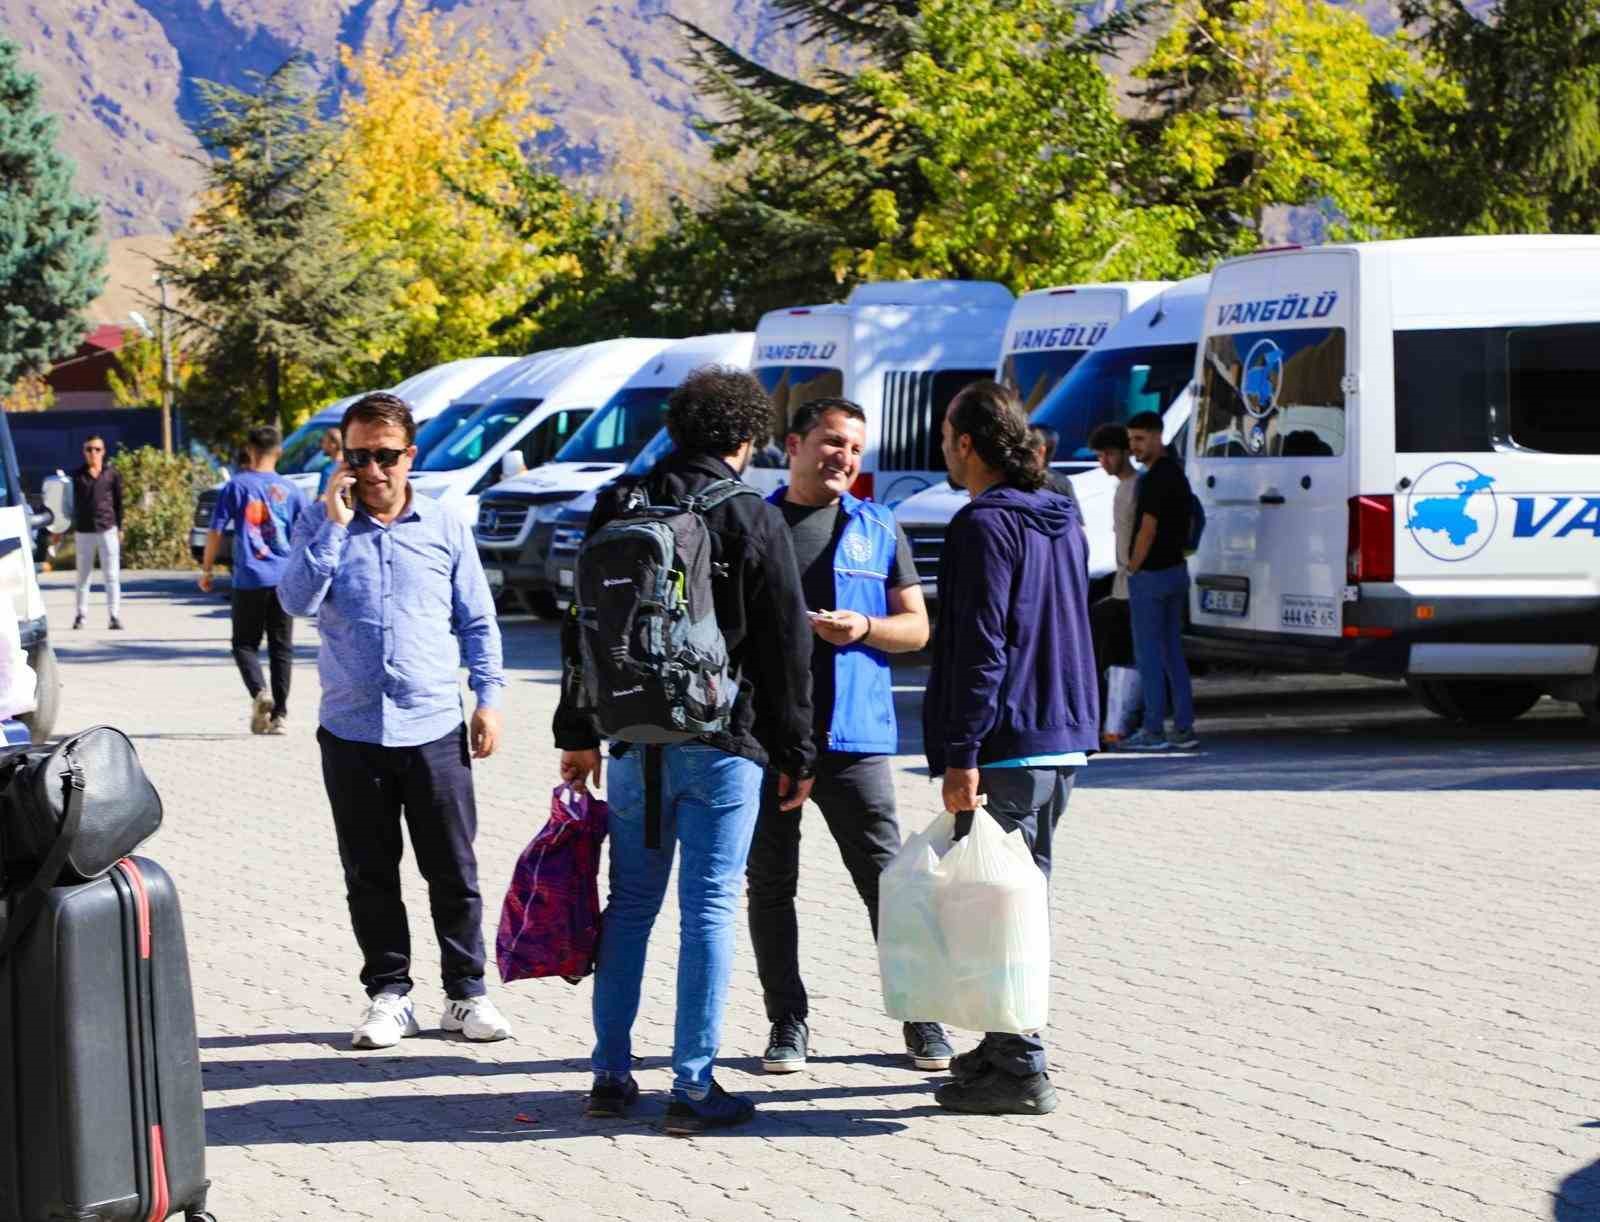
{"points": [[158, 492]]}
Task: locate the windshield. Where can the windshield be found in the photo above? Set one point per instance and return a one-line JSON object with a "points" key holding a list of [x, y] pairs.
{"points": [[1033, 375], [478, 434], [433, 431], [1108, 387], [620, 429], [302, 449]]}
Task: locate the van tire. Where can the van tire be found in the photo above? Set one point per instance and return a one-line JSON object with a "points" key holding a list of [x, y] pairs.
{"points": [[41, 722], [1475, 703]]}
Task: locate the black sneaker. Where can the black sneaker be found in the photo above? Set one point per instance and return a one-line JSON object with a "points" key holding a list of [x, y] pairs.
{"points": [[927, 1045], [994, 1093], [969, 1065], [718, 1110], [787, 1046], [611, 1100], [77, 621], [116, 624]]}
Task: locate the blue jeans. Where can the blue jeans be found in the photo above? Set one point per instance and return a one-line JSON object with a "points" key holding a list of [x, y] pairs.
{"points": [[709, 802], [1157, 602]]}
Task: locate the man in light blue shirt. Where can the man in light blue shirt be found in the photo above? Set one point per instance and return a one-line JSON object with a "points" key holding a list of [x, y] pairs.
{"points": [[401, 600]]}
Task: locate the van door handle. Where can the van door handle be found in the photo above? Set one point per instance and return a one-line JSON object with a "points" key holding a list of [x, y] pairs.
{"points": [[1271, 498]]}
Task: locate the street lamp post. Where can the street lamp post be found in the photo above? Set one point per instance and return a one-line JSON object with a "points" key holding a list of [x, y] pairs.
{"points": [[166, 368]]}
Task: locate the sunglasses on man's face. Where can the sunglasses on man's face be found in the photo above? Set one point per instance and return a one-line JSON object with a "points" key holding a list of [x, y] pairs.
{"points": [[356, 459], [94, 449]]}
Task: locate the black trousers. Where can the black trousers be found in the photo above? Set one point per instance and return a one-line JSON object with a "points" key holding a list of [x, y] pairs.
{"points": [[256, 612], [856, 796], [1031, 799], [371, 788]]}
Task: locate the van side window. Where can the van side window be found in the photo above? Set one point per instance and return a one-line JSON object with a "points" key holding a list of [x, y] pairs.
{"points": [[1443, 390], [1553, 388], [914, 404], [1273, 394]]}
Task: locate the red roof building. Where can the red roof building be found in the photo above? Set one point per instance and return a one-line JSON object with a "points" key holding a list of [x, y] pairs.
{"points": [[80, 379]]}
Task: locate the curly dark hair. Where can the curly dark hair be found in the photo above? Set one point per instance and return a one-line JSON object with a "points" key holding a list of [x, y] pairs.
{"points": [[991, 414], [716, 409]]}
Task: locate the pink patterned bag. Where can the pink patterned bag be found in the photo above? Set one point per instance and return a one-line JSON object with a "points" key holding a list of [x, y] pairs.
{"points": [[550, 922]]}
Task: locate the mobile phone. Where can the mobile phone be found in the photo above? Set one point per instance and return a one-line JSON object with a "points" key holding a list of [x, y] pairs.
{"points": [[344, 495]]}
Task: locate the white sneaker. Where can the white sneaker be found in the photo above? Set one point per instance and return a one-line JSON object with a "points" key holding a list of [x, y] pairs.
{"points": [[390, 1019], [477, 1019], [261, 712]]}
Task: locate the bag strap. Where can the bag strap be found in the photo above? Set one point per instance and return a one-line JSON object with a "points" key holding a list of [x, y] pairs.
{"points": [[714, 494], [31, 901]]}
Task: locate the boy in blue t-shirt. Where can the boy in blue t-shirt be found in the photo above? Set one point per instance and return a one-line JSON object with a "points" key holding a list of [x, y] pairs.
{"points": [[261, 508]]}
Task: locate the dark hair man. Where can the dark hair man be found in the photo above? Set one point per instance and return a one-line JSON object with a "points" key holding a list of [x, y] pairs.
{"points": [[1158, 590], [859, 579], [400, 597], [1113, 634], [710, 786], [97, 528], [1043, 439], [332, 445], [1012, 704], [261, 508]]}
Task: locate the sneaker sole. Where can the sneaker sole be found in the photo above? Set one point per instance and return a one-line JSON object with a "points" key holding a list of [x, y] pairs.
{"points": [[783, 1066], [493, 1038], [698, 1128], [1039, 1107], [365, 1044], [930, 1062]]}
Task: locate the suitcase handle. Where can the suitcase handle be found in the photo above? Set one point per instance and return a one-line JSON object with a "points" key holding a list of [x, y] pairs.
{"points": [[31, 901]]}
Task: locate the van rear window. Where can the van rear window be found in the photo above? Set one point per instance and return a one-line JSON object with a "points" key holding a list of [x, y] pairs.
{"points": [[792, 386], [1271, 394], [1469, 389]]}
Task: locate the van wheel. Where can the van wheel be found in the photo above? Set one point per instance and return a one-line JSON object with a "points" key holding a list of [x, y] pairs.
{"points": [[1476, 704], [41, 722]]}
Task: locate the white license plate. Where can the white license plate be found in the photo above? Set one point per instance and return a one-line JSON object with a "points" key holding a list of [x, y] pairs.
{"points": [[1224, 602], [564, 576], [497, 579]]}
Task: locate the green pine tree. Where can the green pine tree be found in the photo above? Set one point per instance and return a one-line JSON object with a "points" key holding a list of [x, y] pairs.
{"points": [[51, 258], [1504, 137], [281, 308]]}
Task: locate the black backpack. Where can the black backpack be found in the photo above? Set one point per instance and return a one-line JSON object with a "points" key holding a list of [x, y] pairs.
{"points": [[654, 664]]}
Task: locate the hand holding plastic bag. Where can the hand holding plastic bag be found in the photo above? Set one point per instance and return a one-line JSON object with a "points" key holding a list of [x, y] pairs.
{"points": [[911, 958], [550, 921]]}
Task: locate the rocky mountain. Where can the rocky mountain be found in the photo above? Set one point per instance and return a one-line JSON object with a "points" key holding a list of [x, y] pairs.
{"points": [[121, 74]]}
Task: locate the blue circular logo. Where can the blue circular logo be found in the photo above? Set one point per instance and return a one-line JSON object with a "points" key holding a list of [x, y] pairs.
{"points": [[1263, 377], [1451, 511]]}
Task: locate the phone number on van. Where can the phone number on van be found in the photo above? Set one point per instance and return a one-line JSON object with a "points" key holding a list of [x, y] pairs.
{"points": [[1307, 611]]}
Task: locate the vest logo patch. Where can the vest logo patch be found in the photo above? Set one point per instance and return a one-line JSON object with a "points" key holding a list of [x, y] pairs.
{"points": [[856, 548]]}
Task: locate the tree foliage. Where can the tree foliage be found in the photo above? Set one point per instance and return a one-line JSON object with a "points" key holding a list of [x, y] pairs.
{"points": [[51, 258], [280, 302], [136, 379], [1254, 104], [1504, 136], [441, 190], [158, 490]]}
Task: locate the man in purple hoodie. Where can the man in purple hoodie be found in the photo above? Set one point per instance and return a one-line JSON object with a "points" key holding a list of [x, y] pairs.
{"points": [[1013, 698]]}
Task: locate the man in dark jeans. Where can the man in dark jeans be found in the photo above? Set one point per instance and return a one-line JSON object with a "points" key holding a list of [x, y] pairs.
{"points": [[861, 585], [1158, 590], [261, 510], [1012, 704], [400, 598]]}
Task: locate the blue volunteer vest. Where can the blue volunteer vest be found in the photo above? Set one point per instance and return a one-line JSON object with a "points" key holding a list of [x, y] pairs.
{"points": [[863, 693]]}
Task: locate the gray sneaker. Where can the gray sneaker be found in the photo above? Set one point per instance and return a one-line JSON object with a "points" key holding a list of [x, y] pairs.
{"points": [[1184, 740], [1143, 740]]}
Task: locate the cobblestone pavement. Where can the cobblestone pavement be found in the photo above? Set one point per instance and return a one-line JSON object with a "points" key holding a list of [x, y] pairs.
{"points": [[1340, 964]]}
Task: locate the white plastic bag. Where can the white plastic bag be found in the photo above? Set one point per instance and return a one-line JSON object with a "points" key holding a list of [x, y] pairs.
{"points": [[912, 963], [993, 907], [1124, 702]]}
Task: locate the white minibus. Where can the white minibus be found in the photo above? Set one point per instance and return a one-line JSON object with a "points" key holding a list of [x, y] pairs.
{"points": [[1398, 451]]}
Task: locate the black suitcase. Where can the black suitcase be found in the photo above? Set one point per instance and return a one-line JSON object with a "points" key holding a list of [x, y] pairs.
{"points": [[101, 1116]]}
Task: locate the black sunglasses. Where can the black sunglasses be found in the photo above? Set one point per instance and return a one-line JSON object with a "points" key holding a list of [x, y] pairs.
{"points": [[356, 459]]}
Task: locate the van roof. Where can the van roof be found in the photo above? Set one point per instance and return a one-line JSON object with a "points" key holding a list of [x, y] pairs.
{"points": [[1174, 316], [432, 389], [572, 370], [1136, 290], [971, 294], [676, 361], [1466, 247]]}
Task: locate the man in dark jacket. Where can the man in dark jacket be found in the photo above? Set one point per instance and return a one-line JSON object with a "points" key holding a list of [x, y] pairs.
{"points": [[1013, 702], [97, 527], [710, 787]]}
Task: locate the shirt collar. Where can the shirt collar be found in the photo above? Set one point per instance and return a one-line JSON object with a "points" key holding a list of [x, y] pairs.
{"points": [[419, 507]]}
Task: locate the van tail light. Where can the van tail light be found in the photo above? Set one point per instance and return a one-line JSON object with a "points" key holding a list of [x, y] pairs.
{"points": [[1371, 543], [862, 488]]}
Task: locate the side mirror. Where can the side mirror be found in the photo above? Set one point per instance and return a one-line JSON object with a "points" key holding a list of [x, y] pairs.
{"points": [[55, 491], [512, 464]]}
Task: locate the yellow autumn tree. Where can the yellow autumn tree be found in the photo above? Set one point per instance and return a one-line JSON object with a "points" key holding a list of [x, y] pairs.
{"points": [[434, 135]]}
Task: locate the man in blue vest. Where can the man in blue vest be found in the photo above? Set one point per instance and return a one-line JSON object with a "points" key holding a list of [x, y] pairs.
{"points": [[861, 586]]}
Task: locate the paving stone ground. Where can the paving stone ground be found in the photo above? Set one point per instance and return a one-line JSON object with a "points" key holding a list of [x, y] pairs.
{"points": [[1341, 964]]}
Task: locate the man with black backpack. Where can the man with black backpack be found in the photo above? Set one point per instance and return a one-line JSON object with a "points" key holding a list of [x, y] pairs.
{"points": [[689, 647], [861, 583]]}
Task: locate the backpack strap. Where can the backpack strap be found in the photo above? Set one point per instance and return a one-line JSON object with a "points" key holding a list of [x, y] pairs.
{"points": [[32, 899], [714, 494]]}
